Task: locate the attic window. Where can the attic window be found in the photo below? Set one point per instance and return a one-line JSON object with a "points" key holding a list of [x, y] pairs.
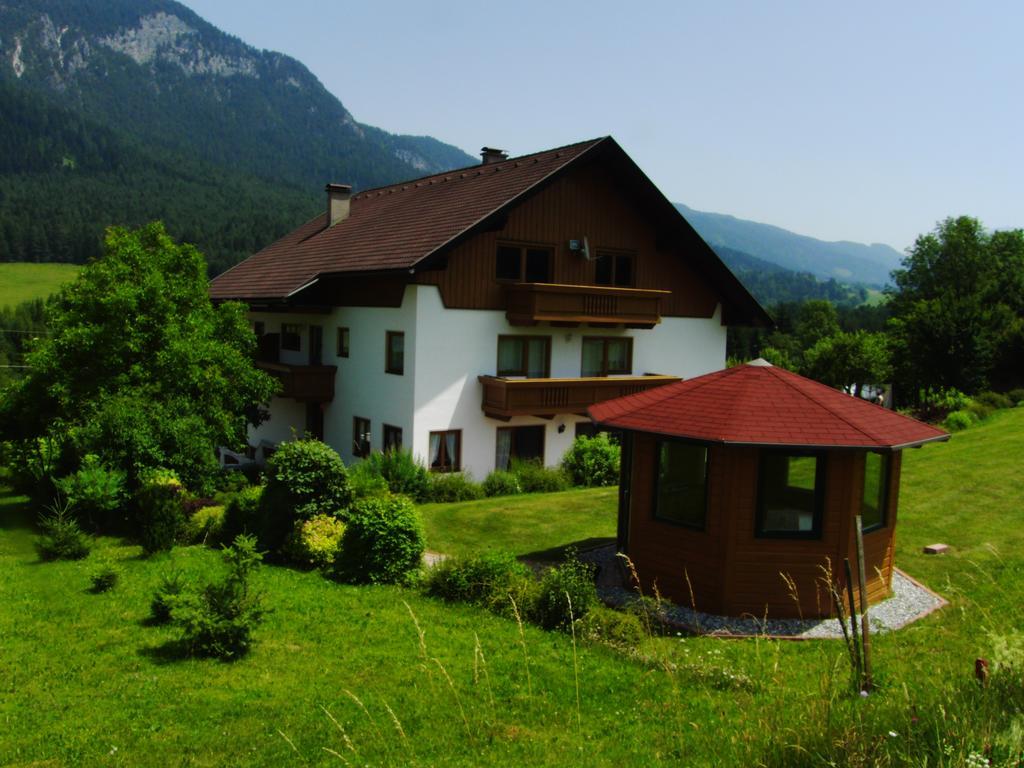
{"points": [[523, 263]]}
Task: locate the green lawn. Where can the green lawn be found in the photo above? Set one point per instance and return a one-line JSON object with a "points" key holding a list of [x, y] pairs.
{"points": [[536, 524], [21, 281], [83, 681]]}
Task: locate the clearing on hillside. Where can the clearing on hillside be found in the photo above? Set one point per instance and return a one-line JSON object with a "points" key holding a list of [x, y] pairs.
{"points": [[22, 281]]}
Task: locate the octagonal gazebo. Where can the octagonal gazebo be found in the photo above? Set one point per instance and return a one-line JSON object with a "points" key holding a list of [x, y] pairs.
{"points": [[737, 487]]}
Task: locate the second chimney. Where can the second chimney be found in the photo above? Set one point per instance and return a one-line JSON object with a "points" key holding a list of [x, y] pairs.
{"points": [[338, 202], [492, 155]]}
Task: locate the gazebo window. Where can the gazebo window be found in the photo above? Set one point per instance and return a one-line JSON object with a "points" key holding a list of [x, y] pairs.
{"points": [[876, 490], [681, 489], [790, 495]]}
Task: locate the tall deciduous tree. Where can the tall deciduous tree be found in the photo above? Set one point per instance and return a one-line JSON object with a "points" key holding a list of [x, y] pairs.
{"points": [[958, 308], [850, 360], [139, 367]]}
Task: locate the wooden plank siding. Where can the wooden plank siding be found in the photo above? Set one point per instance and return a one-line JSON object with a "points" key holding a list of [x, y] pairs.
{"points": [[734, 572], [583, 202]]}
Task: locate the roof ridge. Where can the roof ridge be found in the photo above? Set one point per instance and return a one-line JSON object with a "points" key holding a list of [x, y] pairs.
{"points": [[811, 396], [476, 166]]}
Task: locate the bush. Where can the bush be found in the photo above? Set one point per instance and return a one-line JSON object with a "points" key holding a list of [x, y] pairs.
{"points": [[615, 628], [206, 525], [364, 480], [62, 538], [535, 478], [1016, 396], [97, 495], [305, 478], [31, 466], [485, 580], [161, 518], [980, 411], [994, 400], [501, 483], [402, 473], [593, 461], [104, 577], [383, 541], [959, 420], [220, 619], [171, 586], [454, 486], [571, 581], [315, 542], [241, 512]]}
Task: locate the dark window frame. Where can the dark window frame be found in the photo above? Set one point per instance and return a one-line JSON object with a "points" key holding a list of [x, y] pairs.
{"points": [[604, 356], [388, 442], [524, 363], [657, 484], [286, 336], [389, 362], [342, 341], [361, 448], [614, 258], [450, 466], [820, 480], [886, 485], [524, 249]]}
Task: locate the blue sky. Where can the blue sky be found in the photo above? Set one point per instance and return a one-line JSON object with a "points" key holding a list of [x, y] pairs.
{"points": [[866, 122]]}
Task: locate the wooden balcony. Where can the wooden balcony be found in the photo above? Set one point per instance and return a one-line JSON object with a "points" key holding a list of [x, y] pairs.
{"points": [[532, 303], [305, 383], [505, 398]]}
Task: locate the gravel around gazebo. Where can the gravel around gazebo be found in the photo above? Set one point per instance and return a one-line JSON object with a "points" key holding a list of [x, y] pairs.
{"points": [[909, 602]]}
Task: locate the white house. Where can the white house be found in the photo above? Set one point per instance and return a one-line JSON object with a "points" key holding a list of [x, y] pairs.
{"points": [[473, 316]]}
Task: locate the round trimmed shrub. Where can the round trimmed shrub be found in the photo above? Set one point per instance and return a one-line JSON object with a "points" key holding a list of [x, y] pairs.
{"points": [[159, 512], [241, 512], [959, 420], [593, 461], [383, 541], [206, 525], [305, 478], [501, 483], [315, 542]]}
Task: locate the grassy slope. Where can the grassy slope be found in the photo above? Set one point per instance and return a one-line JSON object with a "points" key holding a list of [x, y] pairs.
{"points": [[80, 674], [21, 282]]}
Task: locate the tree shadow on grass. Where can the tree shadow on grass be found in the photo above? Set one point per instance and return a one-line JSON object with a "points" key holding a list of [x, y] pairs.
{"points": [[167, 652], [15, 513], [559, 553]]}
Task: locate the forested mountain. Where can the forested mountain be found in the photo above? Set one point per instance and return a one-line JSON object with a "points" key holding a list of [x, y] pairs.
{"points": [[844, 261], [122, 111]]}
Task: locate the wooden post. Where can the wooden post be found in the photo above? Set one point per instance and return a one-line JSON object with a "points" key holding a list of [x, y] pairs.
{"points": [[853, 620], [866, 644]]}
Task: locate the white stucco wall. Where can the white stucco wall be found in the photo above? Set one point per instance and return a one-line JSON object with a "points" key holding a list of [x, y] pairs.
{"points": [[445, 351]]}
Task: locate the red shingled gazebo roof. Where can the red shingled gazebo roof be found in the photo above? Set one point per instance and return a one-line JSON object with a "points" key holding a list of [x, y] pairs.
{"points": [[759, 404]]}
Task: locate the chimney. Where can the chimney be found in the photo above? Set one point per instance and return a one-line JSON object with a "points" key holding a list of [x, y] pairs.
{"points": [[492, 155], [338, 202]]}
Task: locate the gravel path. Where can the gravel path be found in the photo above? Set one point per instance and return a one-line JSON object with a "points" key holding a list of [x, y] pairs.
{"points": [[910, 601]]}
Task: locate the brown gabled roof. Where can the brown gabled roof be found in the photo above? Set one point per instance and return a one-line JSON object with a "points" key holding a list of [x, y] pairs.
{"points": [[758, 404], [393, 227], [399, 227]]}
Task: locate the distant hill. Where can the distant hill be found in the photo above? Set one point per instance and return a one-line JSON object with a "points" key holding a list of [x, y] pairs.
{"points": [[120, 111], [843, 261]]}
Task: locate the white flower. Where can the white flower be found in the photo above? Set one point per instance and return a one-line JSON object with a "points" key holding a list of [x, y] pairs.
{"points": [[893, 734]]}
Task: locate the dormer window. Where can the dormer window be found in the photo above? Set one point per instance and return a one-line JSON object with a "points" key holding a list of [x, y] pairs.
{"points": [[523, 264], [614, 269]]}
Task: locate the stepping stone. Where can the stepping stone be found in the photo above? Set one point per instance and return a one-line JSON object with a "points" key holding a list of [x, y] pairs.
{"points": [[936, 549]]}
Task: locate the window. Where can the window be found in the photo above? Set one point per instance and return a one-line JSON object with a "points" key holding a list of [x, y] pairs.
{"points": [[790, 495], [876, 490], [681, 486], [392, 438], [605, 356], [614, 269], [520, 443], [341, 344], [395, 352], [360, 437], [446, 450], [522, 263], [259, 328], [291, 337], [528, 356]]}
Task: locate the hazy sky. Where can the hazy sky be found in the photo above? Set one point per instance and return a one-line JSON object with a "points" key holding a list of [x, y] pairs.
{"points": [[866, 121]]}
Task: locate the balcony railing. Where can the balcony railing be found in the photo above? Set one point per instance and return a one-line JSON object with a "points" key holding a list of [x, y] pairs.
{"points": [[305, 383], [532, 303], [505, 398]]}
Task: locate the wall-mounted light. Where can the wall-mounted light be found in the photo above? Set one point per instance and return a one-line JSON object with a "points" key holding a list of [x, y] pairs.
{"points": [[561, 428]]}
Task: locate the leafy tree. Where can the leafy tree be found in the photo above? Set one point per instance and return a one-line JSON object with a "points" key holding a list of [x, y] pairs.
{"points": [[850, 359], [815, 320], [958, 308], [139, 367]]}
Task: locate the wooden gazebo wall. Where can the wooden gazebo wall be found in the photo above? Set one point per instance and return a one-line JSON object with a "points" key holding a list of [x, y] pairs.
{"points": [[733, 572]]}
